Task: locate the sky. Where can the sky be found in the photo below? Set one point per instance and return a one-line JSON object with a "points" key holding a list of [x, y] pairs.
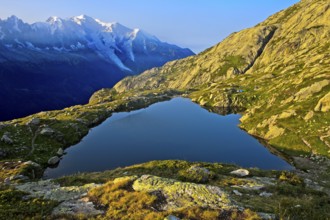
{"points": [[195, 24]]}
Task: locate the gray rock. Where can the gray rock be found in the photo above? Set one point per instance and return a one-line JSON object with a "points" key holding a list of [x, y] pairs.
{"points": [[250, 187], [200, 172], [73, 198], [266, 216], [76, 207], [7, 181], [6, 139], [18, 177], [53, 160], [49, 190], [60, 152], [2, 125], [82, 121], [47, 131], [240, 172], [183, 194], [31, 163], [266, 194], [34, 121], [237, 193]]}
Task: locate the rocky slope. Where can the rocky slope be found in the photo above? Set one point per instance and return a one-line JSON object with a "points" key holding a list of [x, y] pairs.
{"points": [[279, 71], [61, 62], [276, 73], [168, 190]]}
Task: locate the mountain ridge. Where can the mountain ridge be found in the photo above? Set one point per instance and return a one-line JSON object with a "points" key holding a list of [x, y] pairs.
{"points": [[61, 62], [281, 64], [276, 74], [81, 32]]}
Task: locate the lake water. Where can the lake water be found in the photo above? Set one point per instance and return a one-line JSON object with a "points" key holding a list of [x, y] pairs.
{"points": [[175, 129]]}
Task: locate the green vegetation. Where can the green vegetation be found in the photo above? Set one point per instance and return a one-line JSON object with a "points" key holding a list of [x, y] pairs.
{"points": [[290, 198], [122, 202], [276, 74], [15, 205]]}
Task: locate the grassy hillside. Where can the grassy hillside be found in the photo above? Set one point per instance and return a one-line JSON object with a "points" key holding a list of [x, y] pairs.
{"points": [[279, 71], [276, 73]]}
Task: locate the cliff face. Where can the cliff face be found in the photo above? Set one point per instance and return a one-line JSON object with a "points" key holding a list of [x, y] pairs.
{"points": [[278, 70]]}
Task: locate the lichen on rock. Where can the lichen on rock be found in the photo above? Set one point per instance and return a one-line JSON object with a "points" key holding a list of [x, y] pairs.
{"points": [[183, 194]]}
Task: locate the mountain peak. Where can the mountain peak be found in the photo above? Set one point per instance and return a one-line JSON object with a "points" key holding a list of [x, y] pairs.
{"points": [[54, 19], [13, 18], [15, 22], [83, 18], [143, 34], [110, 41]]}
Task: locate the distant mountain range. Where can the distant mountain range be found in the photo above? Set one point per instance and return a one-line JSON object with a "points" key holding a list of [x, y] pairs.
{"points": [[61, 62]]}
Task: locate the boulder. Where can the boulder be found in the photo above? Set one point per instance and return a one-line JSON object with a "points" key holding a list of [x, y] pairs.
{"points": [[18, 177], [240, 172], [2, 125], [267, 216], [60, 152], [196, 174], [324, 104], [266, 194], [180, 195], [31, 163], [287, 114], [7, 181], [237, 193], [309, 115], [308, 92], [72, 199], [47, 131], [6, 139], [274, 131], [34, 122], [53, 160], [76, 207]]}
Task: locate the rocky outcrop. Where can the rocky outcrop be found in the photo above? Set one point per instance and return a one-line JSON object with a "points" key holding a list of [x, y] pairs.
{"points": [[6, 139], [197, 174], [33, 122], [324, 104], [72, 199], [60, 152], [183, 194], [47, 131], [53, 160], [279, 67], [274, 131], [307, 92], [240, 172]]}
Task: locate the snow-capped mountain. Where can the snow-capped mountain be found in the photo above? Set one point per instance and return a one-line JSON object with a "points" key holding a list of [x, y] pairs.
{"points": [[112, 42], [61, 62]]}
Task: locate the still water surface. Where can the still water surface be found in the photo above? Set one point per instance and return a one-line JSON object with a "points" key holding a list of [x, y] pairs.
{"points": [[175, 129]]}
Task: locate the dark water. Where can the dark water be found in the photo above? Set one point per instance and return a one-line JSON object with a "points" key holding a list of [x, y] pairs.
{"points": [[176, 129]]}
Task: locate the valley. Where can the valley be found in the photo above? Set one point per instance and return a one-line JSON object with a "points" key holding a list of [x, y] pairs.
{"points": [[276, 74]]}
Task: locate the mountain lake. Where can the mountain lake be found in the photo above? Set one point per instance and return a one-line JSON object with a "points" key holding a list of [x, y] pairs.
{"points": [[175, 129]]}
